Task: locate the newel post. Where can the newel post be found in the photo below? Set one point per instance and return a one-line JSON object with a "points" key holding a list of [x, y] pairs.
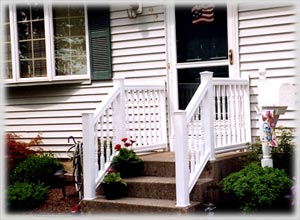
{"points": [[209, 113], [181, 160], [89, 162], [119, 116]]}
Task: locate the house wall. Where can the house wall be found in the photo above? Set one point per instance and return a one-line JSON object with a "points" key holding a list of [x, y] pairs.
{"points": [[267, 39], [138, 53], [267, 36]]}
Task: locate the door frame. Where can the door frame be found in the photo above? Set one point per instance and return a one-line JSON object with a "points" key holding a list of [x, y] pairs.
{"points": [[172, 80]]}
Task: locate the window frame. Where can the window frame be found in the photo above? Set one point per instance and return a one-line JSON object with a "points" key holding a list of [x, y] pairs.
{"points": [[51, 76]]}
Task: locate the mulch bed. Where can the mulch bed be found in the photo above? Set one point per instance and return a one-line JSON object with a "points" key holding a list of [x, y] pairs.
{"points": [[55, 203]]}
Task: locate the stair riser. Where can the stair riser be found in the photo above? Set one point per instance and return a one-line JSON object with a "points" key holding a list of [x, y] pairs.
{"points": [[152, 190], [107, 207], [163, 169], [148, 190]]}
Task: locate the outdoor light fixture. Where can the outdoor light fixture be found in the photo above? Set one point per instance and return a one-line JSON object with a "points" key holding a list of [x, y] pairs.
{"points": [[134, 10]]}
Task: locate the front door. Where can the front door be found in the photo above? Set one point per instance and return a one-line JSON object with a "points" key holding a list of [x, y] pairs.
{"points": [[203, 43]]}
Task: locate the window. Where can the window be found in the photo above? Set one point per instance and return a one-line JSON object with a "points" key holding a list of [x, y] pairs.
{"points": [[31, 41], [69, 40], [7, 45], [52, 43]]}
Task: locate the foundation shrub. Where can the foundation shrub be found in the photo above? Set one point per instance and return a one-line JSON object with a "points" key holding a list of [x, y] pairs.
{"points": [[255, 188]]}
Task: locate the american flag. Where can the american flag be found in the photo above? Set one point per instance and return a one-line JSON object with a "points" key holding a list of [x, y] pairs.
{"points": [[202, 14]]}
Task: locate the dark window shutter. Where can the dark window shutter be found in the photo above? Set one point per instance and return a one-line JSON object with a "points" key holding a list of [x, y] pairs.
{"points": [[100, 50]]}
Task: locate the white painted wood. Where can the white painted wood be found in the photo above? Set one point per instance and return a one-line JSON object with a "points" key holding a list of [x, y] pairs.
{"points": [[271, 47], [181, 158]]}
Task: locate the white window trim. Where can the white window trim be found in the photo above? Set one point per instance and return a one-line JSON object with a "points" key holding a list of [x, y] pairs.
{"points": [[50, 53]]}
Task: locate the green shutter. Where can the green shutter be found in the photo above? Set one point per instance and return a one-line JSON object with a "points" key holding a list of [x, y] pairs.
{"points": [[99, 36]]}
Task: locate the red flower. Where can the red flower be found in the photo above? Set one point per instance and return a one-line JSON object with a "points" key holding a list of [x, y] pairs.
{"points": [[124, 139], [127, 144], [110, 170], [132, 141], [118, 147]]}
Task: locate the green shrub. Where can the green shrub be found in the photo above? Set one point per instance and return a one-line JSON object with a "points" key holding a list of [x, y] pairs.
{"points": [[24, 195], [283, 155], [256, 188], [37, 168]]}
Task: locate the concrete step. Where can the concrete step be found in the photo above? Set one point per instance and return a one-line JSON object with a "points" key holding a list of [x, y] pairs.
{"points": [[159, 164], [161, 188], [132, 205]]}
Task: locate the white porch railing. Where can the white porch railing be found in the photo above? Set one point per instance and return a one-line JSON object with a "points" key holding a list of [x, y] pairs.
{"points": [[135, 112], [223, 103]]}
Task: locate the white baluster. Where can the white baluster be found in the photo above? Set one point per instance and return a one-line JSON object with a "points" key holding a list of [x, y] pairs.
{"points": [[243, 115], [234, 112], [108, 134], [218, 129], [198, 134], [157, 117], [228, 124], [223, 124], [191, 145], [137, 98], [143, 102], [239, 114], [151, 121], [102, 159]]}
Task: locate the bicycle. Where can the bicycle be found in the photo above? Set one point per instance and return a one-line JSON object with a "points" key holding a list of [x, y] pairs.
{"points": [[77, 166]]}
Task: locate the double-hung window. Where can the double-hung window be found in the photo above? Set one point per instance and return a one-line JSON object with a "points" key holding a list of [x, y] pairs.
{"points": [[51, 43]]}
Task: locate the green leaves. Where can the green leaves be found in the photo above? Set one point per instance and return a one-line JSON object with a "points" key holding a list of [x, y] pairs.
{"points": [[256, 187], [113, 177], [26, 195]]}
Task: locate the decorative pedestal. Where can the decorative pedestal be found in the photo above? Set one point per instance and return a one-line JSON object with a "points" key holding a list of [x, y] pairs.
{"points": [[268, 117]]}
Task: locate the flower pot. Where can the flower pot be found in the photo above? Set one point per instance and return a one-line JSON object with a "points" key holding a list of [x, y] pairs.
{"points": [[130, 169], [114, 190]]}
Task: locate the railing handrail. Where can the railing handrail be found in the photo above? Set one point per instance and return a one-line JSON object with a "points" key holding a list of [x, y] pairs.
{"points": [[196, 100], [213, 103], [106, 102], [113, 119], [228, 81]]}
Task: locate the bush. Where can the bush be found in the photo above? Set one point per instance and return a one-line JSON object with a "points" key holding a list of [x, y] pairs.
{"points": [[24, 195], [37, 168], [18, 151], [283, 155], [256, 188]]}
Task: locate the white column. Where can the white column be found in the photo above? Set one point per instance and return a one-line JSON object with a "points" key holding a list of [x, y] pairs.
{"points": [[119, 116], [209, 114], [88, 156], [181, 160]]}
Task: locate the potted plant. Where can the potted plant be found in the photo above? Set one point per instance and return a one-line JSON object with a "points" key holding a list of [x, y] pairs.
{"points": [[126, 161], [113, 185]]}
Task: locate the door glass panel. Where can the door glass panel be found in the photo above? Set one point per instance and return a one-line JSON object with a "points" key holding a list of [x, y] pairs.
{"points": [[189, 80], [201, 32]]}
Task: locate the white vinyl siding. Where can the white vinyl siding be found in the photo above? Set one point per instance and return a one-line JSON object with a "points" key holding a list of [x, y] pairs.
{"points": [[267, 38], [139, 45], [138, 53]]}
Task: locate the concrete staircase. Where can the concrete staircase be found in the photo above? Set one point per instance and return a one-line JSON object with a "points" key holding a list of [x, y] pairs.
{"points": [[154, 191]]}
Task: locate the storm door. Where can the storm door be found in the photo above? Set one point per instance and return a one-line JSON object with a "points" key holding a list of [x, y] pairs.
{"points": [[202, 45]]}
